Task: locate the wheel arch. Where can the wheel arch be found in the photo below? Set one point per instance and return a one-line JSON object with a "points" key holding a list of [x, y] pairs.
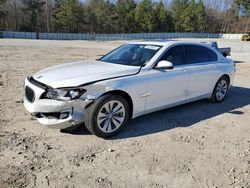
{"points": [[228, 78], [216, 81], [126, 96]]}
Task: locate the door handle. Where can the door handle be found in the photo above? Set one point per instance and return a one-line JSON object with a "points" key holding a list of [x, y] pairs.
{"points": [[185, 70]]}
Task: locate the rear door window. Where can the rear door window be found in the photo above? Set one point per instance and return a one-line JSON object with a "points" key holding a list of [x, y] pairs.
{"points": [[199, 54]]}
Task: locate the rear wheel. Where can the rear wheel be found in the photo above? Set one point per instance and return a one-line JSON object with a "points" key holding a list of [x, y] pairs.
{"points": [[107, 116], [220, 90]]}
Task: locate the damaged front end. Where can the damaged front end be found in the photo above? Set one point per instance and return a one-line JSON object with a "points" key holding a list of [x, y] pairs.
{"points": [[55, 108]]}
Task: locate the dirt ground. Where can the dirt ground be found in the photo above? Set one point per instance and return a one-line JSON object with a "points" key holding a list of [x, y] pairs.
{"points": [[194, 145]]}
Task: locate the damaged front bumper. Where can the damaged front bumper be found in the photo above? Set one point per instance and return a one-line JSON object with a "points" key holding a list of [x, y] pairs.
{"points": [[54, 113], [57, 114]]}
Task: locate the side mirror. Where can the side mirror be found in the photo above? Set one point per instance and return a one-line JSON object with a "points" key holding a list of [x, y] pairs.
{"points": [[164, 65]]}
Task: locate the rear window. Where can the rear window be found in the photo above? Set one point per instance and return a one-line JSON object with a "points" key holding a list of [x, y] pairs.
{"points": [[199, 54]]}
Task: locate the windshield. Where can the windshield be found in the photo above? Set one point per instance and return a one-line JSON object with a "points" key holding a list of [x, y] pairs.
{"points": [[132, 54]]}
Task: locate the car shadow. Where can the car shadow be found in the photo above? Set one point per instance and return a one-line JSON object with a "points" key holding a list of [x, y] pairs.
{"points": [[237, 62], [182, 116], [76, 130]]}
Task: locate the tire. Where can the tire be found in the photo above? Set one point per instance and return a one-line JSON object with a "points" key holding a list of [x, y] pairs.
{"points": [[103, 122], [220, 90]]}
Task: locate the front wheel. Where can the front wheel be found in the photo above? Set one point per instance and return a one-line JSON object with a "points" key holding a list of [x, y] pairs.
{"points": [[107, 115], [220, 90]]}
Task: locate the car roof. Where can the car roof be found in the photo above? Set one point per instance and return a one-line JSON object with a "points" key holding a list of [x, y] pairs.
{"points": [[167, 42]]}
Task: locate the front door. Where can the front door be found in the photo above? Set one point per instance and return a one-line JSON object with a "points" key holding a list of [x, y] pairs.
{"points": [[167, 87]]}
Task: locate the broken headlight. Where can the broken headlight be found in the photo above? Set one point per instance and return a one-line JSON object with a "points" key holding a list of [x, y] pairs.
{"points": [[64, 94]]}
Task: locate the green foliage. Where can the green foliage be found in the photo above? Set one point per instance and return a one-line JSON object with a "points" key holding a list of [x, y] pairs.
{"points": [[144, 16], [188, 15], [104, 16], [32, 10], [162, 19], [200, 17], [178, 13], [69, 15], [124, 16], [100, 16]]}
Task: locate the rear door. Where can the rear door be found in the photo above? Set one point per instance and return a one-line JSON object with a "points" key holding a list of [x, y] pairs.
{"points": [[202, 64]]}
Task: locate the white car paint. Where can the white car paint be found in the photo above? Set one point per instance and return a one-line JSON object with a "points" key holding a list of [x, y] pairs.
{"points": [[149, 89], [77, 73]]}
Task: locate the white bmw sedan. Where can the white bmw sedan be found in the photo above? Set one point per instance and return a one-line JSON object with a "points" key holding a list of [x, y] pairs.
{"points": [[135, 79]]}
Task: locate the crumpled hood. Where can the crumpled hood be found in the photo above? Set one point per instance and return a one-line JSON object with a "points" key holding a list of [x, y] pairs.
{"points": [[78, 73]]}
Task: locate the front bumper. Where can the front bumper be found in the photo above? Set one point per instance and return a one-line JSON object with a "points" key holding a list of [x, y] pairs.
{"points": [[54, 113]]}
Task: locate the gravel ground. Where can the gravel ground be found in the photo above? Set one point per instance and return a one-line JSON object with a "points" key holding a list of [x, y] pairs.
{"points": [[200, 144]]}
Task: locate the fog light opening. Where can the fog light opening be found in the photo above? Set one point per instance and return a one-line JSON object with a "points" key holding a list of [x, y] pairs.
{"points": [[64, 115]]}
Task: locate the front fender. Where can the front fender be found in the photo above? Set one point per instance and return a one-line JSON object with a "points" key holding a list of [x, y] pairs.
{"points": [[135, 86]]}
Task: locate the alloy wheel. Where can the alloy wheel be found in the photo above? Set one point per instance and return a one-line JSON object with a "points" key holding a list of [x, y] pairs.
{"points": [[111, 116], [221, 90]]}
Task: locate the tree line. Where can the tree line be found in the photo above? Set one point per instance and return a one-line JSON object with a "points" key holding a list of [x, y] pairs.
{"points": [[125, 16]]}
